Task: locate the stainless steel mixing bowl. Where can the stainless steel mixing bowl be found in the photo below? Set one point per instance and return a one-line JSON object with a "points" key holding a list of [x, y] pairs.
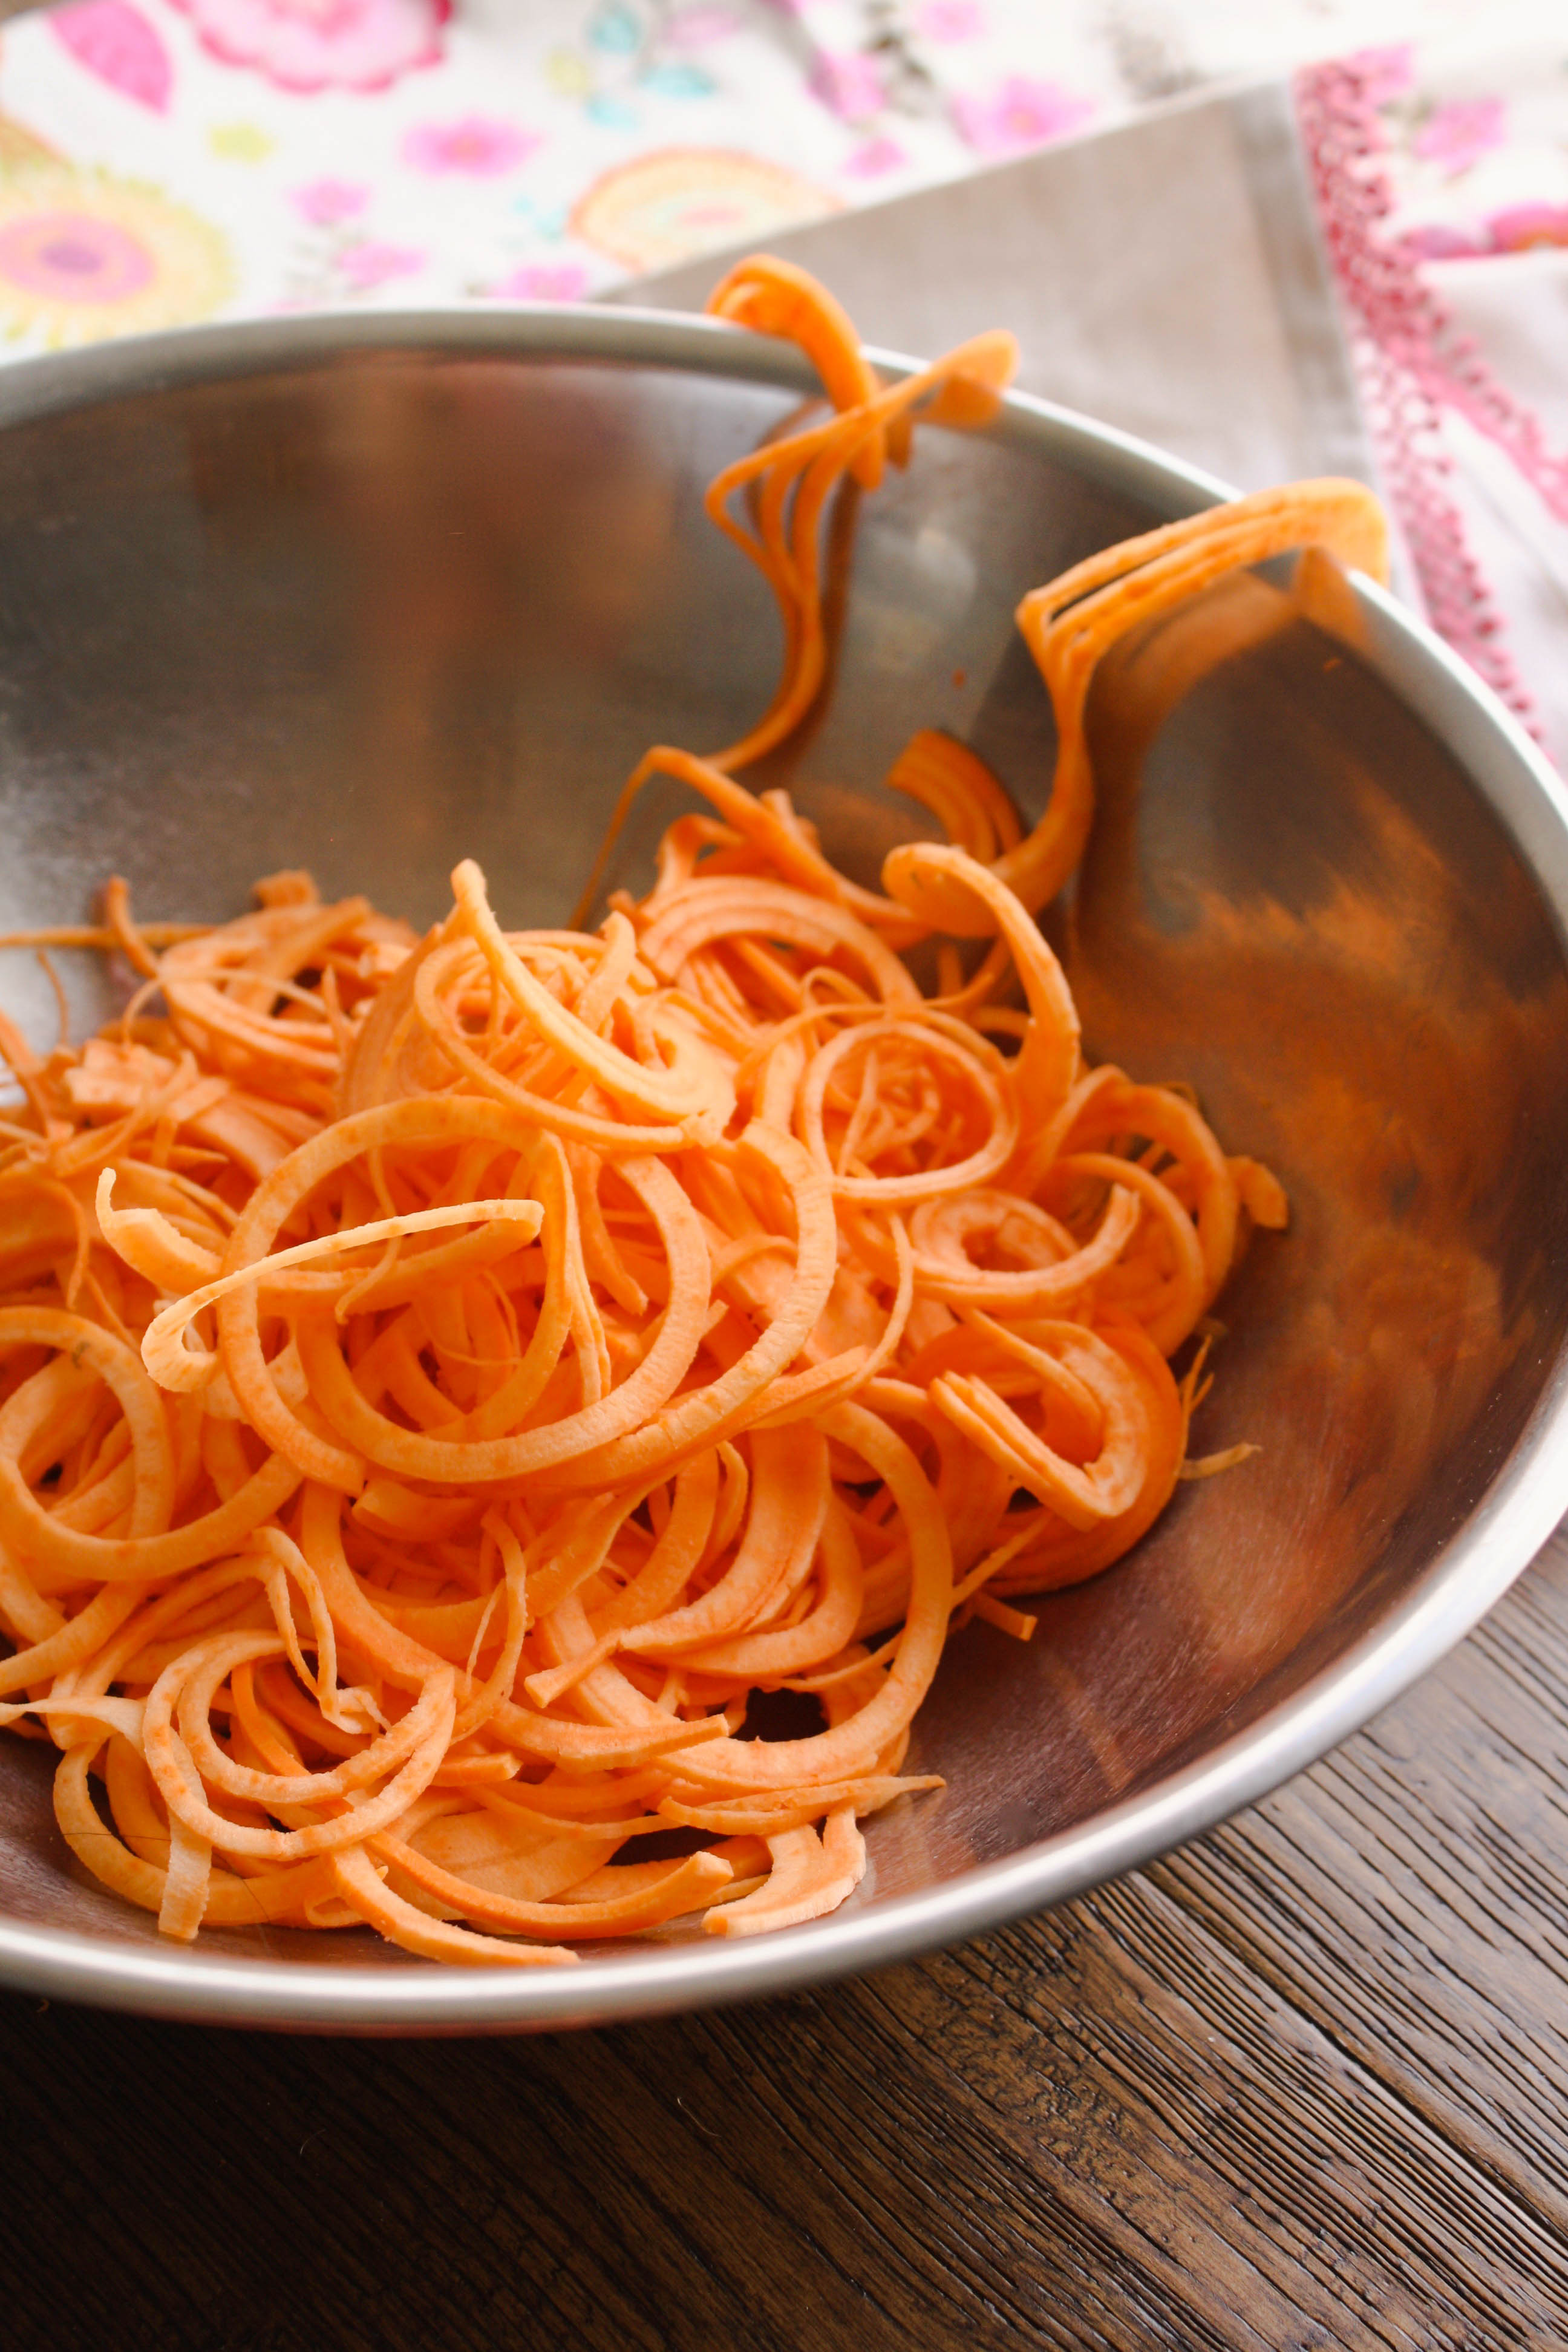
{"points": [[367, 595]]}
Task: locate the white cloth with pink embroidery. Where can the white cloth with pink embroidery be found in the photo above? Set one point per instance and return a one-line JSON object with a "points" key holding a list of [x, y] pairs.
{"points": [[163, 161], [293, 151]]}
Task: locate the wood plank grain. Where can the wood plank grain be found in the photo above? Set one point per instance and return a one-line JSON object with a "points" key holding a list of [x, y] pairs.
{"points": [[1100, 2129], [1295, 2201], [1410, 1894]]}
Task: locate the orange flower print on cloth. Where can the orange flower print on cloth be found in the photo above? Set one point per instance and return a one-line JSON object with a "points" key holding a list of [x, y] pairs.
{"points": [[664, 208], [310, 45], [22, 150], [83, 255]]}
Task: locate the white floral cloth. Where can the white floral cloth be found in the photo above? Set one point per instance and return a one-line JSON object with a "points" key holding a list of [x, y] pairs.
{"points": [[174, 159]]}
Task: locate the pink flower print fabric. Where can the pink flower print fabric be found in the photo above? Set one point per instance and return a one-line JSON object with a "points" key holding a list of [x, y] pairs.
{"points": [[1018, 114], [548, 145], [86, 255], [313, 44], [874, 158], [476, 147], [1460, 133], [1521, 228], [55, 256], [951, 20], [849, 86], [568, 283], [115, 42], [371, 265], [699, 27], [326, 202], [1474, 148], [1385, 73]]}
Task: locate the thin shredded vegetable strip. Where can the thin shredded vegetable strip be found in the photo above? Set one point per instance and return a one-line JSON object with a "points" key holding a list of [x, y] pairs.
{"points": [[445, 1382]]}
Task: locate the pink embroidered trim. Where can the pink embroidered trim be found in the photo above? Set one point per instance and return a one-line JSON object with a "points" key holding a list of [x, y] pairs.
{"points": [[1412, 365]]}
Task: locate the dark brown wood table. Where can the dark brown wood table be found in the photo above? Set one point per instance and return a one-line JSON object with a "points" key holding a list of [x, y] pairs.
{"points": [[1303, 2083]]}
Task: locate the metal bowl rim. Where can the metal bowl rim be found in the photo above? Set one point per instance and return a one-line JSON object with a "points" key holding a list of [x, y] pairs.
{"points": [[1463, 1581]]}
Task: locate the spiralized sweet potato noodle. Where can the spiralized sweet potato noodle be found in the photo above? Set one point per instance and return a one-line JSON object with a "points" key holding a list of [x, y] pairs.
{"points": [[443, 1381]]}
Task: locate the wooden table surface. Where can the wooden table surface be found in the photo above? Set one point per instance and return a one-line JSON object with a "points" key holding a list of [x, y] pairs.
{"points": [[1302, 2083]]}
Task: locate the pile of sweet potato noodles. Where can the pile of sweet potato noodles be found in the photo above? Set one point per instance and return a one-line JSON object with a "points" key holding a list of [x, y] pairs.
{"points": [[445, 1382]]}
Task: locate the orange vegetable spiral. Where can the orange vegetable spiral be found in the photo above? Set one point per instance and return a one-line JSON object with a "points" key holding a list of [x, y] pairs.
{"points": [[443, 1381]]}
